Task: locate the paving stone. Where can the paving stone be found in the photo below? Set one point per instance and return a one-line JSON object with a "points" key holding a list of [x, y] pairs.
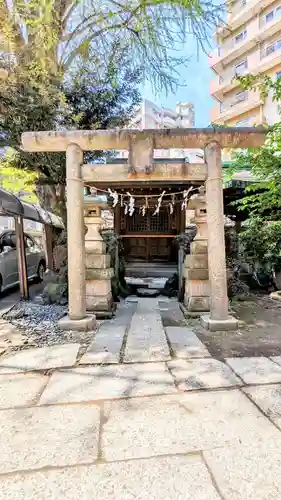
{"points": [[182, 423], [55, 435], [276, 359], [10, 338], [41, 358], [106, 346], [146, 337], [108, 382], [147, 292], [268, 398], [5, 330], [174, 478], [132, 300], [171, 313], [20, 389], [185, 343], [249, 472], [107, 343], [158, 283], [256, 370], [202, 374]]}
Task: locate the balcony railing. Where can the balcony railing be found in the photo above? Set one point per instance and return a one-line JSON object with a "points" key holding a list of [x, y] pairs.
{"points": [[242, 96], [232, 43], [226, 80], [256, 28], [236, 8]]}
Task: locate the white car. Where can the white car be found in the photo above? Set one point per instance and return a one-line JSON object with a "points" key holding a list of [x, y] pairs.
{"points": [[35, 260]]}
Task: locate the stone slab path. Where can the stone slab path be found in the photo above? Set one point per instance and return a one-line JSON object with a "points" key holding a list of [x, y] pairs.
{"points": [[146, 337], [185, 344], [144, 413]]}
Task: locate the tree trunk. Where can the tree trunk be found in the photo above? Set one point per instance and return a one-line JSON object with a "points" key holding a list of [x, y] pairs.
{"points": [[52, 198]]}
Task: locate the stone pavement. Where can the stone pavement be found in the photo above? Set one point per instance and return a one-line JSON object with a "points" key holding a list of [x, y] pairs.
{"points": [[144, 413]]}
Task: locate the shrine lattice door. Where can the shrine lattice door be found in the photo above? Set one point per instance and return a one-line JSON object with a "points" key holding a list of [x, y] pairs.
{"points": [[149, 238]]}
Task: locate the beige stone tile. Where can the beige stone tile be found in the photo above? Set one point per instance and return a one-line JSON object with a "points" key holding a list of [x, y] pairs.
{"points": [[32, 438], [41, 358], [202, 374], [249, 472], [146, 337], [185, 343], [106, 345], [276, 359], [257, 370], [20, 389], [143, 427], [108, 382], [168, 478], [268, 398]]}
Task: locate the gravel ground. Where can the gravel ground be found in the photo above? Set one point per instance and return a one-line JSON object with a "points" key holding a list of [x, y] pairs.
{"points": [[38, 325]]}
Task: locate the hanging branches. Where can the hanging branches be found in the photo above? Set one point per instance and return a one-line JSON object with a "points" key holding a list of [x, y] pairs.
{"points": [[57, 34]]}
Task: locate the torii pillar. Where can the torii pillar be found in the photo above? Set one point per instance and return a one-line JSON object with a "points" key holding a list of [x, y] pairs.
{"points": [[77, 318], [218, 319]]}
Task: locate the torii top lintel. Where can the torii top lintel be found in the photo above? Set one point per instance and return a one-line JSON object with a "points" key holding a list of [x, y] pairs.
{"points": [[89, 140]]}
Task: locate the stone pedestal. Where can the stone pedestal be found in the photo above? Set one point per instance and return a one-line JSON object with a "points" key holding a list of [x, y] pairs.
{"points": [[197, 288], [98, 270]]}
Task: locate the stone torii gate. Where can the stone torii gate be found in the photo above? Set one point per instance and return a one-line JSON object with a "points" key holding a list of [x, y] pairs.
{"points": [[141, 168]]}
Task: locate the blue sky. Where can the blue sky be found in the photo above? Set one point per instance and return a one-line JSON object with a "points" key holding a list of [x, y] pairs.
{"points": [[196, 78]]}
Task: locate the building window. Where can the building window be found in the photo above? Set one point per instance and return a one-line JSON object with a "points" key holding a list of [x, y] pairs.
{"points": [[278, 75], [269, 17], [222, 107], [239, 38], [241, 96], [270, 49], [243, 123], [273, 14], [241, 68]]}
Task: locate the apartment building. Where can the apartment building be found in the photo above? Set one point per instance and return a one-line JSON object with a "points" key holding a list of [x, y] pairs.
{"points": [[150, 116], [249, 42]]}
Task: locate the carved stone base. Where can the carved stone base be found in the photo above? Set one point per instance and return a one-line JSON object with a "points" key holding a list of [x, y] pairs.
{"points": [[99, 302], [217, 325], [102, 306], [84, 324], [197, 304]]}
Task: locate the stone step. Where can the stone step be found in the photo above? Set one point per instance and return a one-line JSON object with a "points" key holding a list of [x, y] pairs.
{"points": [[142, 270]]}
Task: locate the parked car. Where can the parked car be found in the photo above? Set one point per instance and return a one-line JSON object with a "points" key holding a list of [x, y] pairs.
{"points": [[35, 260]]}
